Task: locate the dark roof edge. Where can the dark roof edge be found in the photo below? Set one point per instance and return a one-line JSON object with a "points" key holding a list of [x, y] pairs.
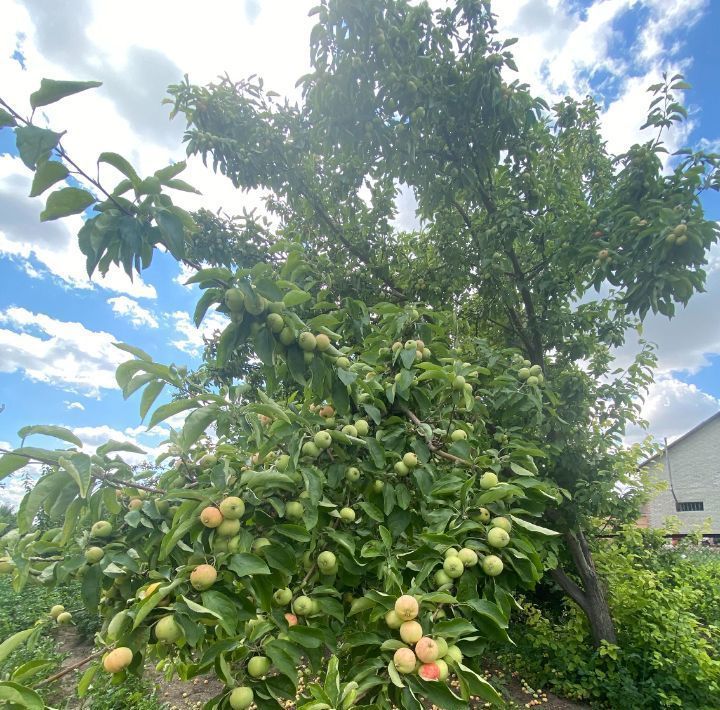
{"points": [[696, 428]]}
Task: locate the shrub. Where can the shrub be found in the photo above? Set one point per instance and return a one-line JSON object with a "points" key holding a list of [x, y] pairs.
{"points": [[665, 602]]}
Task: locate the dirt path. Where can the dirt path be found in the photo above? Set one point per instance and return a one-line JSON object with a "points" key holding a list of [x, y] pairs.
{"points": [[175, 694], [191, 695]]}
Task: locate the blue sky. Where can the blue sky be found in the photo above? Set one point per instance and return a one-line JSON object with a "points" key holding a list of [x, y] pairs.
{"points": [[57, 328]]}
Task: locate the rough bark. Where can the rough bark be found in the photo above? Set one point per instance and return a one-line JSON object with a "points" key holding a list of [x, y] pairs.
{"points": [[591, 596]]}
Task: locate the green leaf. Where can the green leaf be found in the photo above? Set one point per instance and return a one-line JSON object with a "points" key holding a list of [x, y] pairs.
{"points": [[67, 201], [294, 532], [437, 693], [332, 681], [47, 174], [90, 590], [377, 452], [223, 607], [489, 611], [19, 696], [80, 473], [112, 446], [182, 185], [146, 606], [6, 119], [196, 424], [168, 410], [295, 298], [137, 352], [170, 171], [13, 642], [87, 678], [149, 396], [121, 164], [209, 275], [518, 470], [35, 143], [270, 409], [48, 486], [57, 432], [210, 296], [173, 231], [306, 636], [454, 628], [9, 463], [32, 668], [531, 527], [247, 565], [283, 656], [394, 675], [392, 645], [52, 90], [477, 685], [176, 534]]}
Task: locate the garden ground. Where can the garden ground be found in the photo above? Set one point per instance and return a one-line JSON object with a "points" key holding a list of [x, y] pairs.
{"points": [[179, 695]]}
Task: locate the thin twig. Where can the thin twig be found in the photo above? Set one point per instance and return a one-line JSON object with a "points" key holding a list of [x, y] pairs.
{"points": [[71, 668], [108, 479], [435, 449], [130, 484]]}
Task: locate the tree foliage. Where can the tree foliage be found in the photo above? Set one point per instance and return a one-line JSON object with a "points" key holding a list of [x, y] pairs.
{"points": [[379, 399]]}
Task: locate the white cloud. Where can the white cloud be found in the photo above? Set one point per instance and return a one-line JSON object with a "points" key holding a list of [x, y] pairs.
{"points": [[133, 311], [74, 405], [135, 62], [184, 274], [53, 245], [191, 338], [12, 488], [563, 48], [62, 353], [685, 341], [672, 408]]}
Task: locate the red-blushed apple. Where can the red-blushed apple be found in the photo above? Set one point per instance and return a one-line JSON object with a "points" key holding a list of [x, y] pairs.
{"points": [[118, 659], [426, 649], [429, 671]]}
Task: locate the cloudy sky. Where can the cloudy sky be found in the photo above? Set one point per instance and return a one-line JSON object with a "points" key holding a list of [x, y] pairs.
{"points": [[57, 360]]}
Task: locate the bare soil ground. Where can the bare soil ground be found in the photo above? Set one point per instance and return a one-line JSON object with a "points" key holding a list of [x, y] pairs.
{"points": [[179, 695]]}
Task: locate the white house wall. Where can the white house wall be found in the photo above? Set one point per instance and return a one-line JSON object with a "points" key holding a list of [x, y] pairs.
{"points": [[695, 466]]}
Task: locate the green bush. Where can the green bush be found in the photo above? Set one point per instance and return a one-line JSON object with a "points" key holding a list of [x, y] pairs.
{"points": [[133, 692], [666, 606]]}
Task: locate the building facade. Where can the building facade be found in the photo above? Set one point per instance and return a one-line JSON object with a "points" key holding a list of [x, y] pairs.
{"points": [[690, 467]]}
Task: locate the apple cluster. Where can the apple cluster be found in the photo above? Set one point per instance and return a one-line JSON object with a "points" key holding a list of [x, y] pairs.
{"points": [[531, 374], [422, 654]]}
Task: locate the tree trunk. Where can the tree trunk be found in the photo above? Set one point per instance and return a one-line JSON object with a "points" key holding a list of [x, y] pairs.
{"points": [[591, 597]]}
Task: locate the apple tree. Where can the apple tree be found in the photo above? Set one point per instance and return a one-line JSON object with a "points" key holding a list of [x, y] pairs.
{"points": [[363, 501], [528, 229], [368, 511]]}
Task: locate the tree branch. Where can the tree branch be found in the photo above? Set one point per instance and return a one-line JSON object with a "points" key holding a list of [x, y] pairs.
{"points": [[71, 668], [536, 351], [100, 477], [570, 588], [435, 449], [587, 573]]}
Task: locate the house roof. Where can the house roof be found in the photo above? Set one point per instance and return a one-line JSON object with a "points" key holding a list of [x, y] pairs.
{"points": [[686, 435]]}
